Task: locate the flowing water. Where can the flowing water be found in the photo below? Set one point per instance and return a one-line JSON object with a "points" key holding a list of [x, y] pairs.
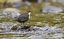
{"points": [[55, 32], [36, 33]]}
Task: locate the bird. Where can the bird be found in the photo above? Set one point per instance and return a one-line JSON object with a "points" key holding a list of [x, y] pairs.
{"points": [[24, 17]]}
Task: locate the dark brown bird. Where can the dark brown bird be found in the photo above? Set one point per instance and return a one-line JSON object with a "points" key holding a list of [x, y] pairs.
{"points": [[24, 17]]}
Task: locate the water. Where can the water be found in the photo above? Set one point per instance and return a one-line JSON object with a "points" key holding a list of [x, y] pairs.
{"points": [[35, 32], [38, 33], [14, 38]]}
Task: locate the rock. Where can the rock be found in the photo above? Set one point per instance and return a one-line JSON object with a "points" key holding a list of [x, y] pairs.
{"points": [[61, 1], [38, 28], [7, 25], [15, 3], [50, 9], [11, 12], [14, 28]]}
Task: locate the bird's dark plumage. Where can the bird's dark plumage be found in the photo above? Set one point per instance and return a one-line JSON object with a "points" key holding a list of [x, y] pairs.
{"points": [[23, 18]]}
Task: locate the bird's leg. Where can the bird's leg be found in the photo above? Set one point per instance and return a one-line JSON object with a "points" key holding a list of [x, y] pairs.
{"points": [[22, 24]]}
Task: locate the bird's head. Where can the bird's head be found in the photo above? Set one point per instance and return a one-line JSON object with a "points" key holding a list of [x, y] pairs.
{"points": [[29, 12]]}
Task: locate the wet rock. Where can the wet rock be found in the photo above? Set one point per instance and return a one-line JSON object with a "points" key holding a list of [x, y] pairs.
{"points": [[24, 28], [50, 9], [9, 13], [7, 25], [14, 28], [37, 28]]}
